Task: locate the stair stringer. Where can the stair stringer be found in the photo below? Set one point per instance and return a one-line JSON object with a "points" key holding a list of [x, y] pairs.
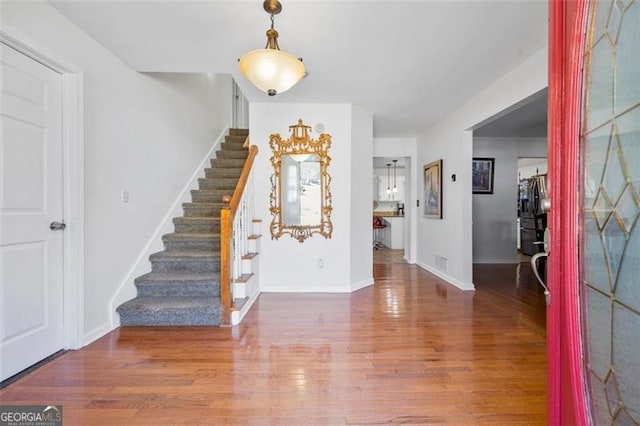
{"points": [[248, 288], [142, 265]]}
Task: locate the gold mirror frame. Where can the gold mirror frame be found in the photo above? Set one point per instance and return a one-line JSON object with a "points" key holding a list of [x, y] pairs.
{"points": [[300, 143]]}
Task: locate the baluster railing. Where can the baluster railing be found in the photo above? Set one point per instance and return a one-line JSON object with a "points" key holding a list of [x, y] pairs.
{"points": [[235, 227]]}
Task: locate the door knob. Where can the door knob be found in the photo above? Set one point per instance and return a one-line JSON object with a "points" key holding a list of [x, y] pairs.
{"points": [[57, 226], [534, 264]]}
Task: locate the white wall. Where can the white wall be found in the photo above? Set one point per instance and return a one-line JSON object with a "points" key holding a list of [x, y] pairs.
{"points": [[405, 147], [287, 265], [495, 215], [361, 264], [451, 140], [143, 133]]}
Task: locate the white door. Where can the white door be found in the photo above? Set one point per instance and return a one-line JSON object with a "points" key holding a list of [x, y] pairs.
{"points": [[31, 254]]}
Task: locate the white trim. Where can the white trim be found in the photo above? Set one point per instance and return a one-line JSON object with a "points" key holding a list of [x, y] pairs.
{"points": [[456, 283], [238, 316], [276, 288], [97, 333], [73, 179], [126, 290], [359, 285]]}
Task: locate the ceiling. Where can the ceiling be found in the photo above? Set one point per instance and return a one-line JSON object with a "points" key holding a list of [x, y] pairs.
{"points": [[409, 63], [381, 162], [526, 119]]}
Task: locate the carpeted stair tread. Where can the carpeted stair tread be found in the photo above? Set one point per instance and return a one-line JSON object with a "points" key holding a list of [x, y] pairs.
{"points": [[178, 284], [218, 183], [179, 277], [208, 195], [227, 162], [184, 255], [198, 219], [183, 287], [190, 237], [232, 154], [233, 146], [196, 224], [238, 132], [232, 172], [171, 310]]}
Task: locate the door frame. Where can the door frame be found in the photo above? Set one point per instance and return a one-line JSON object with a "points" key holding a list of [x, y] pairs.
{"points": [[73, 180], [567, 398]]}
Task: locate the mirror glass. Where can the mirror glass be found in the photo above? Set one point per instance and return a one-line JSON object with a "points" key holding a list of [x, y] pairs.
{"points": [[300, 193]]}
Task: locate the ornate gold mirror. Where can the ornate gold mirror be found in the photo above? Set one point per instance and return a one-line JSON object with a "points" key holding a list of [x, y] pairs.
{"points": [[300, 192]]}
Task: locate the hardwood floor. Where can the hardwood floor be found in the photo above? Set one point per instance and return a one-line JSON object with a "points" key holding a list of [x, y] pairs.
{"points": [[409, 350]]}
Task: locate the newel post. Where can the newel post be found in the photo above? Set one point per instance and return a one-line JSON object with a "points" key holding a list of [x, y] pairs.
{"points": [[225, 259]]}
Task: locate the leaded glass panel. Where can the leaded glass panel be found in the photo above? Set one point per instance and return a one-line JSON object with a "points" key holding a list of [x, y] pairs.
{"points": [[611, 211]]}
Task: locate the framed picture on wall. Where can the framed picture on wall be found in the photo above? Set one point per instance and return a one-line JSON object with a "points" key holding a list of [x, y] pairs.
{"points": [[433, 190], [482, 171]]}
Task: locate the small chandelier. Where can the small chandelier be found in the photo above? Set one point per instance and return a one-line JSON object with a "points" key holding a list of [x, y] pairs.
{"points": [[270, 69]]}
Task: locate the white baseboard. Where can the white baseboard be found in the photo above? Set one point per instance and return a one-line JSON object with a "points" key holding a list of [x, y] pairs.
{"points": [[278, 288], [238, 316], [454, 282], [349, 288], [97, 333], [127, 291], [361, 284]]}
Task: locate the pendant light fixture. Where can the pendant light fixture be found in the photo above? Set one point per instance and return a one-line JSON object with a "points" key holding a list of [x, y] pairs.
{"points": [[270, 69], [395, 166], [388, 178]]}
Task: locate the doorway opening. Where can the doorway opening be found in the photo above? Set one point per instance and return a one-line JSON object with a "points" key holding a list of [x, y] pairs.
{"points": [[391, 189]]}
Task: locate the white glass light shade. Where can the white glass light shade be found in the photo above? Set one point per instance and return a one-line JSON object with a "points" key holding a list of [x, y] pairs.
{"points": [[270, 70]]}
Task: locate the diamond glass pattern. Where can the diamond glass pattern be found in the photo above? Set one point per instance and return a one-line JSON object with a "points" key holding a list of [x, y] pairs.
{"points": [[602, 208], [614, 241], [628, 208], [626, 335], [599, 307], [601, 18], [614, 179], [629, 136], [613, 25], [611, 211], [627, 89], [613, 395], [600, 95]]}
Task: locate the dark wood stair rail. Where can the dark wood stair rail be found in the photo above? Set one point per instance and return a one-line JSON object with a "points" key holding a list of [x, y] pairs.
{"points": [[227, 214]]}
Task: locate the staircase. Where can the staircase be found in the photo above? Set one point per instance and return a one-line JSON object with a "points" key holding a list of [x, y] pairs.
{"points": [[183, 287]]}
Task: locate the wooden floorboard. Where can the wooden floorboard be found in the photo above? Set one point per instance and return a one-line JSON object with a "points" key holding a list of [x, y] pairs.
{"points": [[411, 349]]}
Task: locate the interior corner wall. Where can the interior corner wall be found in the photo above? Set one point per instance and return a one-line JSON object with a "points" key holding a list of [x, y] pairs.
{"points": [[317, 264], [405, 147], [495, 215], [445, 245], [361, 264], [143, 133]]}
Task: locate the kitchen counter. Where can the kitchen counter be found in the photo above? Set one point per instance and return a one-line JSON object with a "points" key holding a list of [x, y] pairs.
{"points": [[392, 235], [385, 214]]}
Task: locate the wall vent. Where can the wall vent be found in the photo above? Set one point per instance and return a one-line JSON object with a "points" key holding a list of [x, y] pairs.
{"points": [[442, 263]]}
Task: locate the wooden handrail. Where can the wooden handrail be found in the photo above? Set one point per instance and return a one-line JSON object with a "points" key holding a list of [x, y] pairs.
{"points": [[227, 214]]}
